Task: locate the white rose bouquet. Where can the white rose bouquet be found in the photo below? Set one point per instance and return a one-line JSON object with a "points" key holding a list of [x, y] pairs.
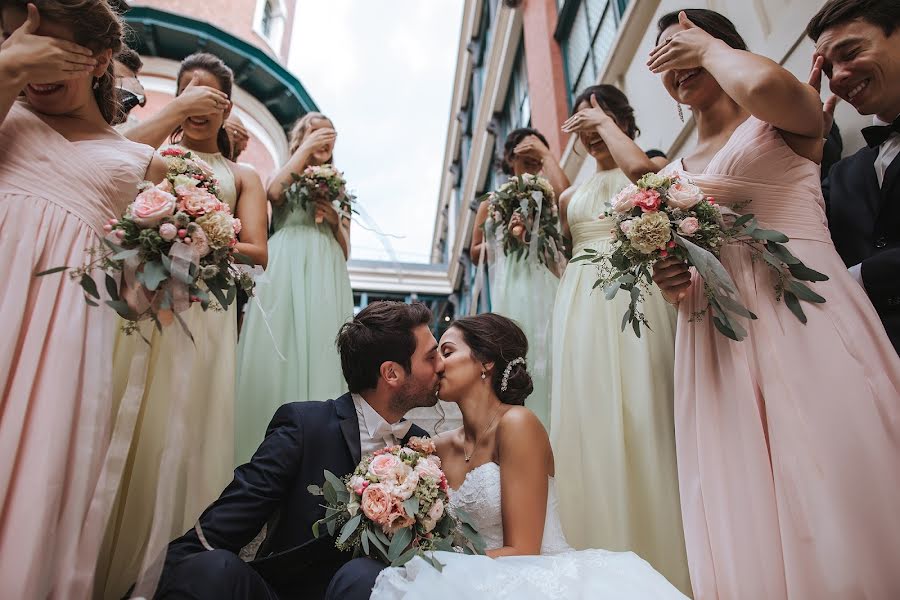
{"points": [[530, 200], [173, 247], [394, 506], [665, 216], [319, 182]]}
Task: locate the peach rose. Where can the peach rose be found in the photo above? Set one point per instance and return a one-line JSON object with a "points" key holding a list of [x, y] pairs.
{"points": [[683, 196], [151, 205], [397, 518], [689, 226], [647, 200], [196, 201], [376, 504], [405, 482], [200, 242]]}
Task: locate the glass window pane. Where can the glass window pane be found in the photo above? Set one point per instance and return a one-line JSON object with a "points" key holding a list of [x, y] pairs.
{"points": [[578, 44]]}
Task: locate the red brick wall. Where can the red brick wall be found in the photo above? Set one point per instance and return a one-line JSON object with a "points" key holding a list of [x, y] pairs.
{"points": [[546, 75]]}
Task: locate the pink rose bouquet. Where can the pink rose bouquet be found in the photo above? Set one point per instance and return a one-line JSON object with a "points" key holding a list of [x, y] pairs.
{"points": [[173, 247], [665, 216], [319, 182], [394, 506]]}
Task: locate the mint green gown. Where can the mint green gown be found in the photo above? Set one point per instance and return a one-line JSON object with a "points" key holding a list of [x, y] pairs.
{"points": [[286, 350]]}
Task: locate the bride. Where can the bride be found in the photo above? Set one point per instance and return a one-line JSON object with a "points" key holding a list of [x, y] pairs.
{"points": [[500, 469]]}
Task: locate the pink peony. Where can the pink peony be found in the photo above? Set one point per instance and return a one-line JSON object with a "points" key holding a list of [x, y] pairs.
{"points": [[237, 226], [168, 231], [196, 201], [624, 200], [683, 196], [689, 226], [376, 504], [151, 205], [626, 226], [647, 200]]}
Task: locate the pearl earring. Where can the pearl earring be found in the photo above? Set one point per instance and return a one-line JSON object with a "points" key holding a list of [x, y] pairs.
{"points": [[96, 82], [484, 374]]}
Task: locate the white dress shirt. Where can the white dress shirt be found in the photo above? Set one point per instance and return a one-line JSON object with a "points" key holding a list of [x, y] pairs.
{"points": [[886, 155], [374, 432]]}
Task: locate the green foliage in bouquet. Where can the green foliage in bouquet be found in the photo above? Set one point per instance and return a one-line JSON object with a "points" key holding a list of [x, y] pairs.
{"points": [[319, 182]]}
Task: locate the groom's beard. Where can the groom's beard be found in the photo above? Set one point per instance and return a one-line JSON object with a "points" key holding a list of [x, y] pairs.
{"points": [[413, 395]]}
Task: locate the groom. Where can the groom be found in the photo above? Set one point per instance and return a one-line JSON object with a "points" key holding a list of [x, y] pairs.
{"points": [[391, 363], [859, 43]]}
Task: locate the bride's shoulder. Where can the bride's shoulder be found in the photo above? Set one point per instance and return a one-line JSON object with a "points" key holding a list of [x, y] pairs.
{"points": [[518, 425]]}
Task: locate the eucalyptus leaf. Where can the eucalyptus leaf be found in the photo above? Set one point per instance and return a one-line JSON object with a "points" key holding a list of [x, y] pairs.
{"points": [[742, 220], [769, 235], [315, 490], [411, 506], [636, 325], [122, 308], [626, 318], [804, 293], [405, 557], [402, 538], [153, 274], [50, 271], [125, 254], [801, 271], [708, 266], [333, 479], [232, 294], [112, 287], [349, 528], [724, 329], [372, 534], [730, 304], [611, 290], [89, 286], [213, 287], [332, 526], [793, 303], [364, 540], [90, 302], [184, 326], [783, 254]]}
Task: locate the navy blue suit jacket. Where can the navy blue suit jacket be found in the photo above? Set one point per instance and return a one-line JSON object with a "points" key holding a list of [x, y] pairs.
{"points": [[865, 227], [302, 440]]}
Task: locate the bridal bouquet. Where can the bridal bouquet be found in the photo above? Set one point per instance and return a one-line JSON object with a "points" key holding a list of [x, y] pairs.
{"points": [[531, 198], [174, 246], [322, 182], [666, 216], [394, 506]]}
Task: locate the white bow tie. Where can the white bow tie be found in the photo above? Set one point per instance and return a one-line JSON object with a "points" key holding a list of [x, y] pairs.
{"points": [[398, 430]]}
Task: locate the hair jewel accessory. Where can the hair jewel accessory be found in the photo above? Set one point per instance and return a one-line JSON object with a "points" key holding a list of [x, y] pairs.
{"points": [[505, 383]]}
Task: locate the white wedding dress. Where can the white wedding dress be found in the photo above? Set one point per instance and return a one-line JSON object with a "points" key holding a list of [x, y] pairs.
{"points": [[559, 572]]}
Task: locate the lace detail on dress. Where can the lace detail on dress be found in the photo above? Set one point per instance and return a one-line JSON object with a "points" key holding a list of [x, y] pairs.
{"points": [[480, 497]]}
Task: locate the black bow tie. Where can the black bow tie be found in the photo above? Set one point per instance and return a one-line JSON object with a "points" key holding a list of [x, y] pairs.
{"points": [[876, 135]]}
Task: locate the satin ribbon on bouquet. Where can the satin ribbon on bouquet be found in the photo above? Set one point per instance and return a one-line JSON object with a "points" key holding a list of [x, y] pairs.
{"points": [[173, 294]]}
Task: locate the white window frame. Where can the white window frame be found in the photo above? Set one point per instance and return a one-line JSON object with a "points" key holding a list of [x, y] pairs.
{"points": [[275, 38]]}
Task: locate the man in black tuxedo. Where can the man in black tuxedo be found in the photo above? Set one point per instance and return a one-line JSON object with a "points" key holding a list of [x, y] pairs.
{"points": [[391, 363], [859, 45]]}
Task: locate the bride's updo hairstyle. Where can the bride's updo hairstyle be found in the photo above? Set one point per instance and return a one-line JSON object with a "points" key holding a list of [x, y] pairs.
{"points": [[494, 338], [709, 21]]}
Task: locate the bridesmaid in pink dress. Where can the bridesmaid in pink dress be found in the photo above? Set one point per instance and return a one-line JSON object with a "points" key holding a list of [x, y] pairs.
{"points": [[788, 442], [64, 171]]}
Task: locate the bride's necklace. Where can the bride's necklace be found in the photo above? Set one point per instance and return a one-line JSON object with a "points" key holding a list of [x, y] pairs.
{"points": [[468, 455]]}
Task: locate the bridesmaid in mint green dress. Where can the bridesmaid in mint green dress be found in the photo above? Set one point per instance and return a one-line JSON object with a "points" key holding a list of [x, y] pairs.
{"points": [[523, 289], [286, 350]]}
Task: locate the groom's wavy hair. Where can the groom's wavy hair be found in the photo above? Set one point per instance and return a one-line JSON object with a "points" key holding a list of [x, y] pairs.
{"points": [[881, 13], [381, 332]]}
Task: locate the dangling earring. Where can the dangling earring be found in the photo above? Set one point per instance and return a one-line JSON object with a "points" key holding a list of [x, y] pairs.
{"points": [[680, 112], [96, 82], [483, 374]]}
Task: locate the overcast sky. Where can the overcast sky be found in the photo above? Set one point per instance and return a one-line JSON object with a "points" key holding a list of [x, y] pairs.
{"points": [[383, 71]]}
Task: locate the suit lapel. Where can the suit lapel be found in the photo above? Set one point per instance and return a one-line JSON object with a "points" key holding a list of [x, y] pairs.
{"points": [[346, 412], [890, 177]]}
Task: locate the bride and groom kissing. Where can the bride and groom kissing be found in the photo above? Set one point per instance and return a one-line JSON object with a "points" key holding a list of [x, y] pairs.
{"points": [[499, 466]]}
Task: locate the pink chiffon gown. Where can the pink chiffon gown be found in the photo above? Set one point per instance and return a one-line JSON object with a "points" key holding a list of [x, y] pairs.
{"points": [[56, 357], [788, 443]]}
